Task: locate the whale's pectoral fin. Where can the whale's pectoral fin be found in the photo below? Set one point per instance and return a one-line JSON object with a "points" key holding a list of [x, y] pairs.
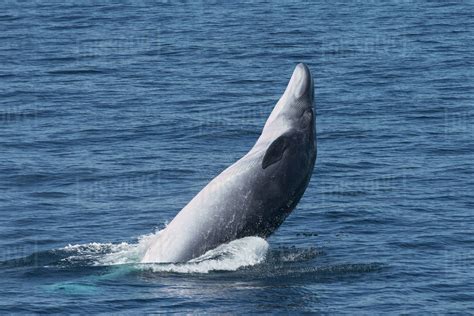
{"points": [[275, 151]]}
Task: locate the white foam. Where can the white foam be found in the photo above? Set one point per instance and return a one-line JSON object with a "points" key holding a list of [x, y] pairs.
{"points": [[244, 252], [132, 253]]}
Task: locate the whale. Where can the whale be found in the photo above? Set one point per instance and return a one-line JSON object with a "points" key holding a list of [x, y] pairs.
{"points": [[254, 195]]}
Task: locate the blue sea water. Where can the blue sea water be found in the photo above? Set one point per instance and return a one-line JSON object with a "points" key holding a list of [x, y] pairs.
{"points": [[114, 114]]}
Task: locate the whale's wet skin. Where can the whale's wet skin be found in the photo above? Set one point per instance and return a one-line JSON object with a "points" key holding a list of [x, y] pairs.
{"points": [[253, 196]]}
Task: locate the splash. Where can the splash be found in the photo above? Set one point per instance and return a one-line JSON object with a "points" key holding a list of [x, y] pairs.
{"points": [[244, 252]]}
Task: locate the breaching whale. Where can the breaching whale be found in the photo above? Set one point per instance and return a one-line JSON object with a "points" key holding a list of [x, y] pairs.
{"points": [[253, 196]]}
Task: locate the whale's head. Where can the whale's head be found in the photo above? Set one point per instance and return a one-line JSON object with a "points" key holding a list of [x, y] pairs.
{"points": [[293, 115], [294, 110], [287, 143]]}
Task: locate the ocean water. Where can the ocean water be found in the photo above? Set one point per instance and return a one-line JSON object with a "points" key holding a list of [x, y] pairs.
{"points": [[114, 114]]}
